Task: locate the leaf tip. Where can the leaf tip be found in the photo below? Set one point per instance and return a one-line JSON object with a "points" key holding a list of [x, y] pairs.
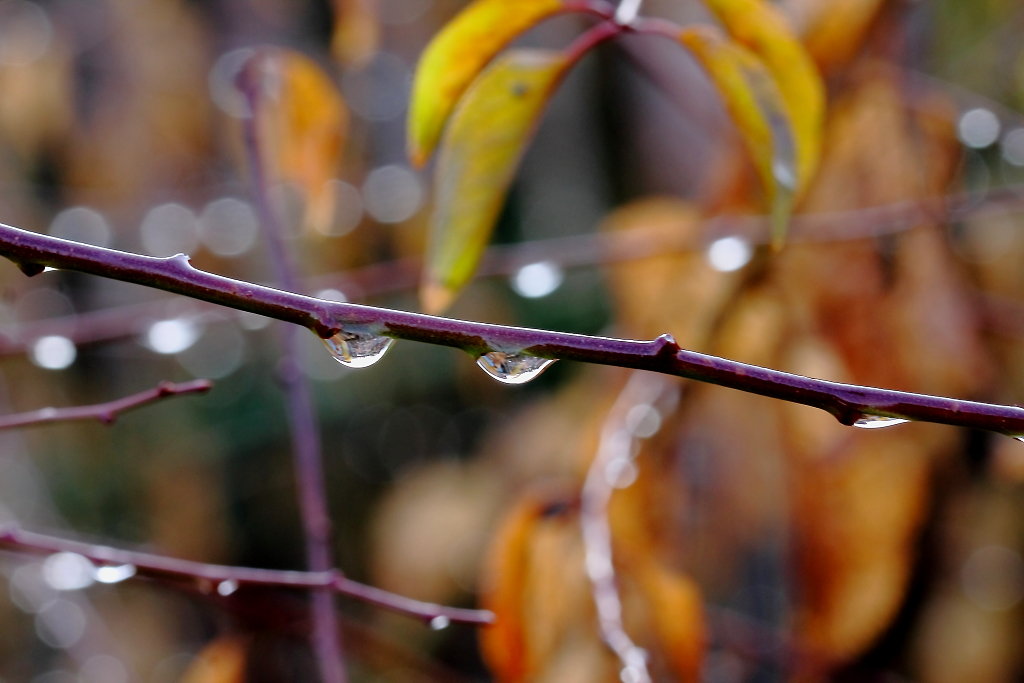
{"points": [[435, 297]]}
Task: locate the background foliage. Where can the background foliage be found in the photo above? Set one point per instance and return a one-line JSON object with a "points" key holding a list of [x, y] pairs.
{"points": [[759, 541]]}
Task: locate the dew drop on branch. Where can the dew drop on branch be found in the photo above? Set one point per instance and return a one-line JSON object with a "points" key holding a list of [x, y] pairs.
{"points": [[440, 622], [878, 422], [227, 587], [115, 573], [513, 368], [357, 350]]}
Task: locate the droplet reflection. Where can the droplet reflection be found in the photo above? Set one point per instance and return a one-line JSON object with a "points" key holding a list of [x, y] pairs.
{"points": [[878, 422], [357, 350], [513, 368]]}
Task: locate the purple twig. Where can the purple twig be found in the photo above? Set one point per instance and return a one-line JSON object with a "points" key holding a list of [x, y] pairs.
{"points": [[569, 252], [847, 402], [305, 431], [162, 567], [104, 412]]}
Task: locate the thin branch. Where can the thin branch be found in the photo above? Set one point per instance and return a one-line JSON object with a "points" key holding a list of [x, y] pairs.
{"points": [[106, 413], [846, 402], [238, 578], [302, 420]]}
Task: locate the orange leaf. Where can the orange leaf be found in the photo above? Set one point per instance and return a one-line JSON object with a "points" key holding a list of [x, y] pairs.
{"points": [[221, 661], [356, 32], [479, 156], [456, 55], [303, 122]]}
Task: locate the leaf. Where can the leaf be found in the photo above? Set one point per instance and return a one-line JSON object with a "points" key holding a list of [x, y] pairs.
{"points": [[756, 107], [479, 155], [356, 33], [221, 661], [456, 55], [766, 32], [303, 122]]}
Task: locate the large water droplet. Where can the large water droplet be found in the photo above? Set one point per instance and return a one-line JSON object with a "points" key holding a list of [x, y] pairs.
{"points": [[227, 587], [878, 422], [440, 623], [357, 350], [513, 368]]}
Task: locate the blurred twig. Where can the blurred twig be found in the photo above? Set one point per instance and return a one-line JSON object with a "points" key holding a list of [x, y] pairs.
{"points": [[305, 432], [108, 412], [237, 578]]}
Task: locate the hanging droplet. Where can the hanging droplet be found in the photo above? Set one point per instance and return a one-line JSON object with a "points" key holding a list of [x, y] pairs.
{"points": [[878, 422], [440, 622], [115, 573], [621, 472], [357, 350], [513, 368], [227, 587]]}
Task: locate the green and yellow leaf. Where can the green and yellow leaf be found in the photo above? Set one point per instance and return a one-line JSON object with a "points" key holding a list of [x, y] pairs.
{"points": [[756, 106], [478, 159], [764, 29], [455, 57]]}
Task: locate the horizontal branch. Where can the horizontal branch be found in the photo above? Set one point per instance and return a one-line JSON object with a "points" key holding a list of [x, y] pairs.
{"points": [[162, 567], [589, 249], [848, 403], [104, 412]]}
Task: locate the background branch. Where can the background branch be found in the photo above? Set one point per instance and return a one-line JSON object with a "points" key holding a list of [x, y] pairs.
{"points": [[162, 567], [105, 412]]}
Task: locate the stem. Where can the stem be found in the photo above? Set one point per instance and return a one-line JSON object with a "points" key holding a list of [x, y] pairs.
{"points": [[305, 431], [844, 401], [614, 456], [104, 412], [165, 568]]}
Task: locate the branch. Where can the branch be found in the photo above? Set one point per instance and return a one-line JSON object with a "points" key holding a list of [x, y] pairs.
{"points": [[104, 412], [846, 402], [238, 578], [590, 249], [302, 420]]}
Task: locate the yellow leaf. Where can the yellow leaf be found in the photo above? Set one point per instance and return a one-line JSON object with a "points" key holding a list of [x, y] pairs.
{"points": [[765, 31], [479, 155], [756, 107], [303, 122], [456, 55]]}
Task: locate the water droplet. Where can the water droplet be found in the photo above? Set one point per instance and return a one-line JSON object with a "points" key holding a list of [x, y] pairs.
{"points": [[440, 622], [357, 350], [53, 352], [878, 422], [227, 587], [978, 128], [67, 571], [621, 472], [115, 573], [513, 368]]}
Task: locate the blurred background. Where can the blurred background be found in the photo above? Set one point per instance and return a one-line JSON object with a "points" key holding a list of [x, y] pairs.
{"points": [[754, 541]]}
